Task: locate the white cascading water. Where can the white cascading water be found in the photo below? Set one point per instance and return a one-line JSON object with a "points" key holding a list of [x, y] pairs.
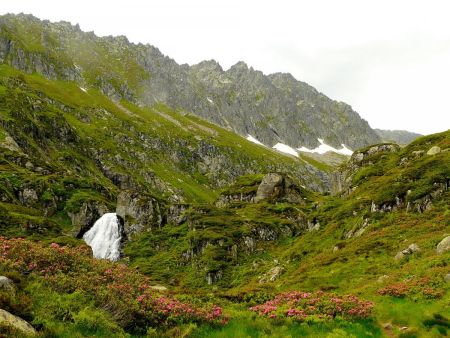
{"points": [[104, 237]]}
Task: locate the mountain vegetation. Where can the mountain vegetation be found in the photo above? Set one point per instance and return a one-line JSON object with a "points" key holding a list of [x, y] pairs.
{"points": [[220, 237]]}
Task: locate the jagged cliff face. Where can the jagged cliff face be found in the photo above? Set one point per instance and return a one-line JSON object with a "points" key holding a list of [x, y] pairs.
{"points": [[274, 108]]}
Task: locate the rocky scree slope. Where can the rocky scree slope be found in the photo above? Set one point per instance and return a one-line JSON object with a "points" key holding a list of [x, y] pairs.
{"points": [[273, 108]]}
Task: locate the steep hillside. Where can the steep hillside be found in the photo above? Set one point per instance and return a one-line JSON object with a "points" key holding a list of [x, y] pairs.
{"points": [[67, 152], [397, 136], [215, 236], [381, 238], [274, 108], [266, 247]]}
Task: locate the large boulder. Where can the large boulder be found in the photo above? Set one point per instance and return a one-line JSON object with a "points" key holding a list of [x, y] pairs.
{"points": [[278, 187], [447, 278], [16, 323], [443, 245], [270, 188], [434, 150], [413, 248], [9, 143]]}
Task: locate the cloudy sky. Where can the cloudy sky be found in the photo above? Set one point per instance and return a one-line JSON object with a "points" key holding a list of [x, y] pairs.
{"points": [[390, 60]]}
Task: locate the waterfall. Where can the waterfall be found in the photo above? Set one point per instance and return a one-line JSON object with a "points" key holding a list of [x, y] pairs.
{"points": [[104, 237]]}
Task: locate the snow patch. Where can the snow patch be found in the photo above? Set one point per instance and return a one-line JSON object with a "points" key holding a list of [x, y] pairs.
{"points": [[284, 148], [345, 151], [254, 140], [323, 148], [104, 237]]}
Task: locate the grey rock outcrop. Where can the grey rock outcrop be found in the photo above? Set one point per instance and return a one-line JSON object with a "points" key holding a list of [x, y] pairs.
{"points": [[28, 196], [142, 212], [9, 143], [434, 150], [270, 188], [443, 245], [276, 186], [7, 284], [213, 277], [139, 212], [341, 180], [413, 248], [447, 278]]}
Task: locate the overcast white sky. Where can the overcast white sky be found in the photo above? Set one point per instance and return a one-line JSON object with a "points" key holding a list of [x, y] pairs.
{"points": [[390, 60]]}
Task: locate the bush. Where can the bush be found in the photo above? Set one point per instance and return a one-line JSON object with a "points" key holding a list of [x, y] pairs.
{"points": [[74, 278], [305, 306]]}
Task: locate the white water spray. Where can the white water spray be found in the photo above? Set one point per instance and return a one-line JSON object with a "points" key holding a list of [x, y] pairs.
{"points": [[104, 237]]}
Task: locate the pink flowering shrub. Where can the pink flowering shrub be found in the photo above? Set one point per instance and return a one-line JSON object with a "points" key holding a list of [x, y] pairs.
{"points": [[305, 305], [422, 287], [116, 288]]}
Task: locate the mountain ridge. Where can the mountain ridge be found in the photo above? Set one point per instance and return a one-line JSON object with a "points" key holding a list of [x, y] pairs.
{"points": [[401, 137], [273, 108]]}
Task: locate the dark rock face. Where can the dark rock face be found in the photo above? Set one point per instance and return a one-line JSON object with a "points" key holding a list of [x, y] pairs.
{"points": [[85, 218], [139, 212], [142, 212], [274, 108]]}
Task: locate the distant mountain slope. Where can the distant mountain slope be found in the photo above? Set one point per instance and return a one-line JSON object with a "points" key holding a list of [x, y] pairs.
{"points": [[397, 136], [274, 108]]}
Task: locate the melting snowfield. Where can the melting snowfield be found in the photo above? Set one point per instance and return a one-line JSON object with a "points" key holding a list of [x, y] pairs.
{"points": [[104, 237], [323, 148], [284, 148], [254, 140]]}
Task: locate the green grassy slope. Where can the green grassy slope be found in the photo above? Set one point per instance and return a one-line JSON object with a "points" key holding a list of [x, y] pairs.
{"points": [[353, 251], [74, 147]]}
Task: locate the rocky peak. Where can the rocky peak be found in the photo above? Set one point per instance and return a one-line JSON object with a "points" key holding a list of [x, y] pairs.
{"points": [[240, 66]]}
